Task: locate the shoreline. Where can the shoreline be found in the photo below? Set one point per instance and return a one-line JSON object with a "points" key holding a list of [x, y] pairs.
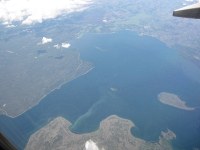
{"points": [[118, 136], [40, 99]]}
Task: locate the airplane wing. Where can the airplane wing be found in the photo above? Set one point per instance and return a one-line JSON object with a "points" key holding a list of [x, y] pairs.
{"points": [[191, 11]]}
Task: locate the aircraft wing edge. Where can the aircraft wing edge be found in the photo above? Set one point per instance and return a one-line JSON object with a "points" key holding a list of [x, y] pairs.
{"points": [[191, 11]]}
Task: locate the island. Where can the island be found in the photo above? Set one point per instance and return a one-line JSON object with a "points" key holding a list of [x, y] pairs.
{"points": [[113, 134], [173, 100]]}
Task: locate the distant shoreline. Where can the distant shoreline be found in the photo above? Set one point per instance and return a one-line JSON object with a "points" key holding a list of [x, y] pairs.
{"points": [[174, 101]]}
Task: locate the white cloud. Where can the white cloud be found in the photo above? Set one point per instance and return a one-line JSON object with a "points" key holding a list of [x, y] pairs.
{"points": [[57, 46], [105, 21], [90, 145], [46, 40], [66, 45], [35, 11]]}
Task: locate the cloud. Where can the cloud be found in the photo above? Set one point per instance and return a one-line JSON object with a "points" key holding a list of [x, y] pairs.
{"points": [[57, 46], [105, 20], [46, 40], [66, 45], [90, 145], [36, 11]]}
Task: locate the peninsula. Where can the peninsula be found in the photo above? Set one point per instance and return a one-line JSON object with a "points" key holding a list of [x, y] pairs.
{"points": [[113, 134], [28, 76]]}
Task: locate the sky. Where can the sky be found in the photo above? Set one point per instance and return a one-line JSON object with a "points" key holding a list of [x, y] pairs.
{"points": [[29, 12]]}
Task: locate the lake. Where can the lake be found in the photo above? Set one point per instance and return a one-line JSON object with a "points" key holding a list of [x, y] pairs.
{"points": [[130, 71]]}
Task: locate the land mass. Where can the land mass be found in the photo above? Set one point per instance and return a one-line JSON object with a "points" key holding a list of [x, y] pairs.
{"points": [[113, 134], [31, 72], [173, 100]]}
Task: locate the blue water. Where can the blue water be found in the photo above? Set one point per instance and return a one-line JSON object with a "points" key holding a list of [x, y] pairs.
{"points": [[139, 68]]}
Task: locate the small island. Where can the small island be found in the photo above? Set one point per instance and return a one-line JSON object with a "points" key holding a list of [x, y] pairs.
{"points": [[113, 134], [173, 100]]}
